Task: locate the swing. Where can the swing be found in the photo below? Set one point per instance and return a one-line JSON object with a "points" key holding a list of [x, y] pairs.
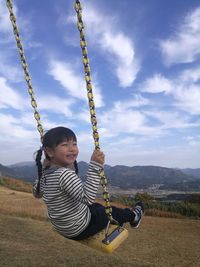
{"points": [[110, 238]]}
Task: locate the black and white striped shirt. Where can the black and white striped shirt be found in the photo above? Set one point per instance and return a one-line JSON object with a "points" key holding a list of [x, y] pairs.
{"points": [[67, 198]]}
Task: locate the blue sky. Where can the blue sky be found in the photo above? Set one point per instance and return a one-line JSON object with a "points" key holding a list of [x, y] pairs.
{"points": [[145, 65]]}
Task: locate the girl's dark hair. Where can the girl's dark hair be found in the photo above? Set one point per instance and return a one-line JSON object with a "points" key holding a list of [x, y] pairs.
{"points": [[57, 135], [39, 170], [51, 139]]}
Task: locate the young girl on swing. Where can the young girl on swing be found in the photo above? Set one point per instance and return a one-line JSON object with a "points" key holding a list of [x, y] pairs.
{"points": [[70, 203]]}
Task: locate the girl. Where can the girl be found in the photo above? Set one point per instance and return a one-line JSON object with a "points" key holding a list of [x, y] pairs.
{"points": [[70, 204]]}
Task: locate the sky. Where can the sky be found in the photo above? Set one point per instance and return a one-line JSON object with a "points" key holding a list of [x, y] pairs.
{"points": [[145, 68]]}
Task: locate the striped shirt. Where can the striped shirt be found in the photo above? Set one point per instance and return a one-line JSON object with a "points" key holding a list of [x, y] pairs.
{"points": [[67, 198]]}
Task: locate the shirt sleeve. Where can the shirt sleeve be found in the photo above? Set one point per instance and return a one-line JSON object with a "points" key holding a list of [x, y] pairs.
{"points": [[83, 192]]}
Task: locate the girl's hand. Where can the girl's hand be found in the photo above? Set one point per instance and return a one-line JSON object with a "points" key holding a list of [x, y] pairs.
{"points": [[98, 156]]}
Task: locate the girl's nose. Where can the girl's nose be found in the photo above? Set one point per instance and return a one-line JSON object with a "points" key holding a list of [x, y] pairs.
{"points": [[71, 148]]}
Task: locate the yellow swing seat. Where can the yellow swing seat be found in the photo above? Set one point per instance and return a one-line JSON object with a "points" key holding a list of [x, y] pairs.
{"points": [[109, 243]]}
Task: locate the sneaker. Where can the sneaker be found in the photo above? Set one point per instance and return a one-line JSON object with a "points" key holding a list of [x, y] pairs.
{"points": [[138, 210]]}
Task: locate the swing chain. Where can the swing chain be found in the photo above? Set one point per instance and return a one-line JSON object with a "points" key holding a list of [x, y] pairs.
{"points": [[80, 25], [83, 44], [25, 67]]}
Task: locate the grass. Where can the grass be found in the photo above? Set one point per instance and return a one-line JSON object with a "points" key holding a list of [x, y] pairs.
{"points": [[21, 204], [27, 239], [15, 184]]}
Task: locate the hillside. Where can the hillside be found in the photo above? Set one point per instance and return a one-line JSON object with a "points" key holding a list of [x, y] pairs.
{"points": [[15, 184], [6, 171], [32, 242], [192, 172], [145, 176], [139, 177], [25, 171]]}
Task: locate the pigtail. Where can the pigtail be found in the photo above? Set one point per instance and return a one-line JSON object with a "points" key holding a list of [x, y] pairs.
{"points": [[76, 167], [39, 171]]}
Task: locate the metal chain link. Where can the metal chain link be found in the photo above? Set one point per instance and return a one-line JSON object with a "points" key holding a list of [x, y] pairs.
{"points": [[83, 44], [25, 67]]}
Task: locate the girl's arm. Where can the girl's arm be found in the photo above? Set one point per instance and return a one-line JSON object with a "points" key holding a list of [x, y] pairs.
{"points": [[73, 186]]}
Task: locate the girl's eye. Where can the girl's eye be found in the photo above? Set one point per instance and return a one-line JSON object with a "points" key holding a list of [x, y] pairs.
{"points": [[65, 144]]}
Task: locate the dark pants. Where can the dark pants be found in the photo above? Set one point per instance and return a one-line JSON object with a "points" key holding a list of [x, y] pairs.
{"points": [[99, 219]]}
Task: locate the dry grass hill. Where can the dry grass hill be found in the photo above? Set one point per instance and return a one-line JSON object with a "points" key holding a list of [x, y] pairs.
{"points": [[27, 239]]}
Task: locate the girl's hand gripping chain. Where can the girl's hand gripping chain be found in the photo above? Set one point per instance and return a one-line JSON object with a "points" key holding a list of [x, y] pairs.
{"points": [[98, 156]]}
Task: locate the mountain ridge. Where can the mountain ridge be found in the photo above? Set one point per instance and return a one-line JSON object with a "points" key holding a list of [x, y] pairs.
{"points": [[124, 177]]}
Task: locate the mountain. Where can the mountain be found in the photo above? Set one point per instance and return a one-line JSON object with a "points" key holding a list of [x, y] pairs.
{"points": [[21, 164], [193, 172], [6, 171], [140, 176], [145, 176], [24, 171], [83, 167], [120, 176]]}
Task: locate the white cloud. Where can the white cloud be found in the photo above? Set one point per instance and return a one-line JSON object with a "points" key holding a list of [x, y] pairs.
{"points": [[9, 98], [190, 75], [118, 47], [84, 115], [4, 18], [17, 142], [157, 84], [183, 46], [171, 119], [10, 71], [11, 127], [193, 141], [188, 99], [9, 63], [126, 120], [55, 104], [136, 101], [122, 54], [73, 82], [184, 89]]}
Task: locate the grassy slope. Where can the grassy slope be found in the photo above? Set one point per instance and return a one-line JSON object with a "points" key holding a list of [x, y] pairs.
{"points": [[32, 242]]}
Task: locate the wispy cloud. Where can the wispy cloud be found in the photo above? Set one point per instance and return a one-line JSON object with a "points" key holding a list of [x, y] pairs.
{"points": [[118, 47], [169, 120], [184, 89], [9, 63], [9, 98], [188, 99], [193, 141], [11, 128], [4, 18], [17, 142], [56, 104], [183, 45], [72, 82], [135, 101], [124, 117], [10, 70], [190, 76], [157, 84]]}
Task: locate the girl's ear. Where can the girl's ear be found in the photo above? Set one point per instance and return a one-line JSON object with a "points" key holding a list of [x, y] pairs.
{"points": [[49, 152]]}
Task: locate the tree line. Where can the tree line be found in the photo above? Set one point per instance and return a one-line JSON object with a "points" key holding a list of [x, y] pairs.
{"points": [[189, 207]]}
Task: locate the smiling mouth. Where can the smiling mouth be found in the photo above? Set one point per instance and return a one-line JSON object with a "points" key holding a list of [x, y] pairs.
{"points": [[71, 156]]}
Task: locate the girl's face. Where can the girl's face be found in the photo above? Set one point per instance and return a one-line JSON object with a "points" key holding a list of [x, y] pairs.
{"points": [[64, 154]]}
